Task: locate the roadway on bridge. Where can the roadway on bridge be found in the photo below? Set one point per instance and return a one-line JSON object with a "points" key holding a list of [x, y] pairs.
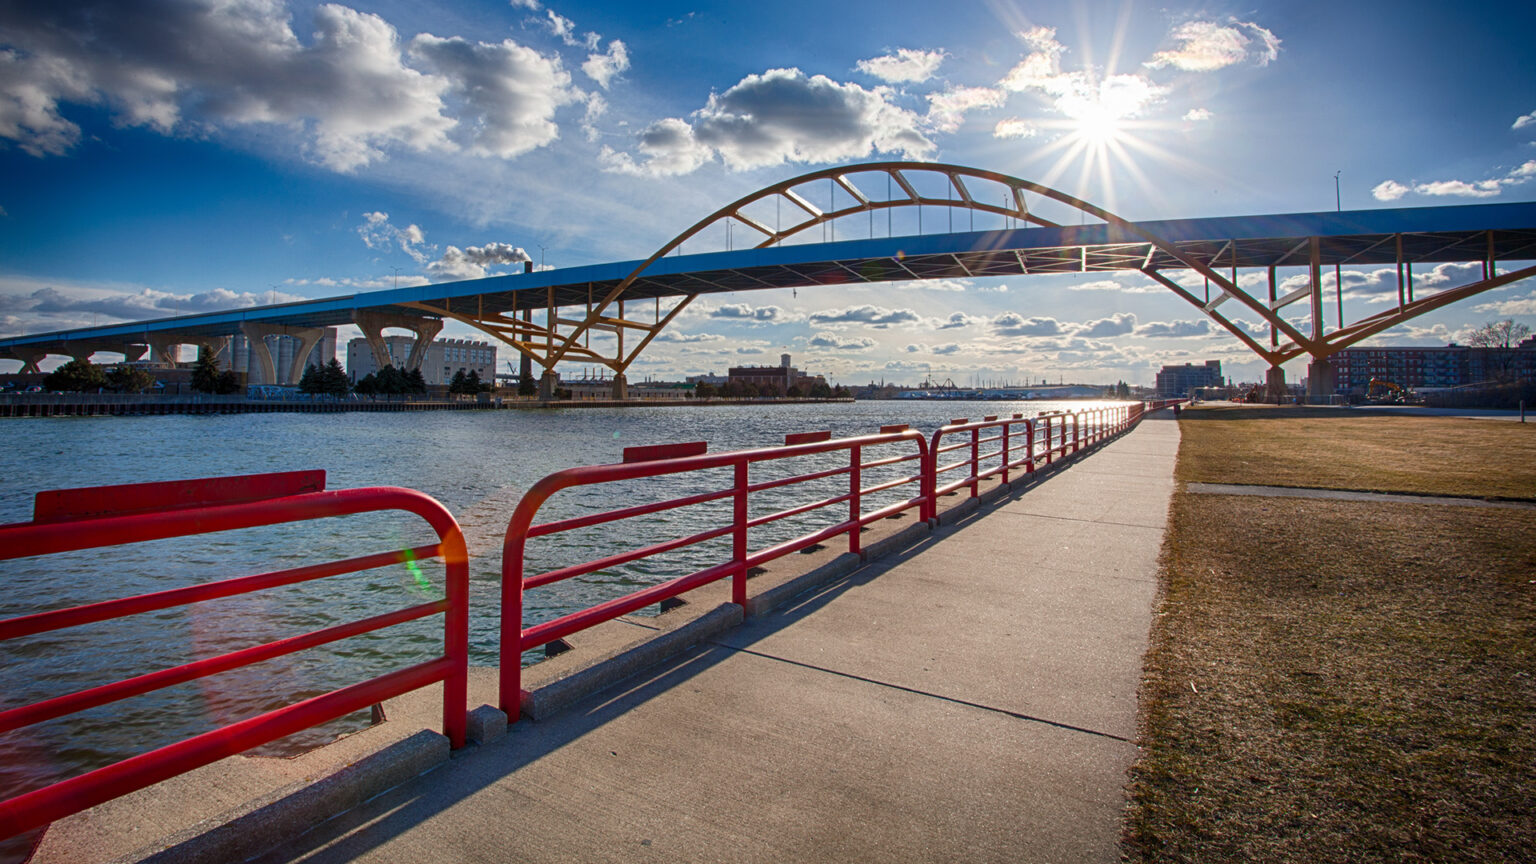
{"points": [[972, 698]]}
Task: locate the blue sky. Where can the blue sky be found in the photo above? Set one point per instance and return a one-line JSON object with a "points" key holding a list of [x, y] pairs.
{"points": [[162, 157]]}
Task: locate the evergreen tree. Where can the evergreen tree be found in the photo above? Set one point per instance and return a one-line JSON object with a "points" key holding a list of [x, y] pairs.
{"points": [[415, 382], [472, 383], [391, 381], [76, 376], [309, 382], [205, 375], [527, 386], [457, 385], [368, 386], [333, 379], [228, 383]]}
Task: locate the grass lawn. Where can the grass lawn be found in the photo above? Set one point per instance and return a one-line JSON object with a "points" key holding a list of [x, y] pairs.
{"points": [[1338, 449], [1336, 680]]}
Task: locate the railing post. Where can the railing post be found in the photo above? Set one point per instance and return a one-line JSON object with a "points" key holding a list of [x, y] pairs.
{"points": [[928, 483], [739, 538], [855, 484], [1007, 452], [975, 462], [1077, 431]]}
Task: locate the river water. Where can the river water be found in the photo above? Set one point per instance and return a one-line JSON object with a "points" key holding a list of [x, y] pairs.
{"points": [[476, 463]]}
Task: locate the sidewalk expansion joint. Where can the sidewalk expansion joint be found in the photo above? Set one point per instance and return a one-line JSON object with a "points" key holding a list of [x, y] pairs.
{"points": [[1018, 715], [1079, 519]]}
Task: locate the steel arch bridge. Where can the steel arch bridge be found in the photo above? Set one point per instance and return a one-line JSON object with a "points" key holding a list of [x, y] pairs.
{"points": [[550, 317]]}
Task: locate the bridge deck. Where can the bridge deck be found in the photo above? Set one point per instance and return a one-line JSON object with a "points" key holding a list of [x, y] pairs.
{"points": [[972, 699], [1352, 238]]}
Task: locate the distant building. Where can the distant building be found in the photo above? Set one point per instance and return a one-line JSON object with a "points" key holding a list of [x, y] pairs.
{"points": [[1430, 368], [1177, 381], [237, 357], [777, 379], [445, 358]]}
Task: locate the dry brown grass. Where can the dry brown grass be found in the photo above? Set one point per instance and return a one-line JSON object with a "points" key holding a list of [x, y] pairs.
{"points": [[1338, 681], [1336, 449]]}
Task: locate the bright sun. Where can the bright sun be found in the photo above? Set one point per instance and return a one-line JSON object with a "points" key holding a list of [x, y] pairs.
{"points": [[1098, 125]]}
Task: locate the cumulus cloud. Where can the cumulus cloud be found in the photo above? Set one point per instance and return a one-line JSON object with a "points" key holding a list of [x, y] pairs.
{"points": [[1077, 94], [956, 320], [945, 350], [506, 93], [779, 116], [1175, 329], [1391, 190], [379, 235], [603, 67], [744, 312], [1115, 325], [474, 262], [351, 92], [871, 316], [688, 338], [1205, 46], [1197, 115], [74, 307], [1515, 306], [905, 66], [1014, 127], [1014, 324], [1121, 287], [1524, 120], [947, 110], [838, 342]]}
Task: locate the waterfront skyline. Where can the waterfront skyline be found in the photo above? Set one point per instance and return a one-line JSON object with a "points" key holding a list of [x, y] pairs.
{"points": [[274, 151]]}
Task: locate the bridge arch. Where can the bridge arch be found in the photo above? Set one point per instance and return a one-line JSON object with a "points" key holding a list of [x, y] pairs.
{"points": [[904, 192]]}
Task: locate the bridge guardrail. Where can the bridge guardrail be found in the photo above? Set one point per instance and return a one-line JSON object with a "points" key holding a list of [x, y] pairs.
{"points": [[669, 460], [75, 519]]}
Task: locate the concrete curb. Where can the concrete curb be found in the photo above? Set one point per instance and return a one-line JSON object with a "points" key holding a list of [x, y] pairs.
{"points": [[551, 698], [263, 823], [778, 595]]}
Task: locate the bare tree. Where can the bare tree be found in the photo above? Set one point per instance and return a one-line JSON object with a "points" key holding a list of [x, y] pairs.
{"points": [[1498, 340]]}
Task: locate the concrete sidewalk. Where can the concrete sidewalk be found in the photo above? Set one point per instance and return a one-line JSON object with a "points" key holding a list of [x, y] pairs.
{"points": [[972, 698]]}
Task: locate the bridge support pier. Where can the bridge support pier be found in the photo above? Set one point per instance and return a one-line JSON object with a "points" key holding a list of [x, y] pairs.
{"points": [[1320, 380], [620, 386], [165, 348], [256, 336], [1274, 385], [373, 323], [29, 360], [547, 383]]}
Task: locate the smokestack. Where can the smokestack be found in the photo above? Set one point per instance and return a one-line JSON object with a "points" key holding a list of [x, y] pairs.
{"points": [[528, 266]]}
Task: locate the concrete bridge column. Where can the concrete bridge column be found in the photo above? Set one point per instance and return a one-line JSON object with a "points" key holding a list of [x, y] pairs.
{"points": [[547, 383], [29, 359], [1320, 379], [1274, 385], [373, 323], [165, 347], [256, 335], [620, 386]]}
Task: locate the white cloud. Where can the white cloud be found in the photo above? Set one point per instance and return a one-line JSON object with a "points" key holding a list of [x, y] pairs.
{"points": [[1516, 306], [1174, 329], [1524, 120], [779, 116], [55, 307], [507, 93], [1115, 325], [947, 110], [905, 66], [1077, 94], [871, 316], [688, 338], [603, 67], [379, 235], [1391, 190], [745, 312], [956, 320], [531, 5], [1014, 324], [351, 93], [1014, 127], [1197, 115], [839, 343], [474, 262], [1114, 285], [1205, 46]]}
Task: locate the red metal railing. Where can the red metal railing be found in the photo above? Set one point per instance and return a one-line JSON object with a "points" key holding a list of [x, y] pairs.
{"points": [[75, 519], [995, 447], [664, 461]]}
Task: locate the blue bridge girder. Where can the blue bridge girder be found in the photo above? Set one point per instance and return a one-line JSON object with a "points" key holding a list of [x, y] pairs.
{"points": [[1489, 233]]}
